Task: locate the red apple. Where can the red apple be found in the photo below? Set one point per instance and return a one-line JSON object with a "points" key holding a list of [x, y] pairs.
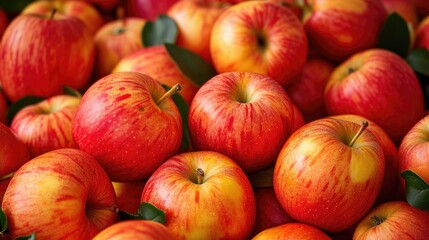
{"points": [[422, 34], [338, 29], [128, 195], [84, 11], [3, 21], [195, 20], [135, 229], [104, 5], [307, 91], [123, 122], [246, 116], [292, 231], [156, 62], [47, 125], [45, 53], [114, 40], [405, 8], [259, 36], [414, 150], [3, 107], [205, 195], [298, 118], [62, 194], [329, 173], [147, 9], [380, 86], [422, 7], [393, 221]]}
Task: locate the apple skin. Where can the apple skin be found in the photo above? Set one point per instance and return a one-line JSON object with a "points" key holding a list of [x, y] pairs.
{"points": [[47, 125], [338, 29], [422, 8], [156, 62], [105, 6], [298, 118], [113, 41], [307, 91], [389, 188], [422, 34], [414, 150], [128, 195], [292, 231], [135, 229], [84, 11], [251, 37], [380, 86], [405, 8], [52, 53], [3, 107], [4, 20], [237, 114], [195, 20], [401, 221], [320, 180], [119, 123], [147, 9], [62, 194], [221, 207]]}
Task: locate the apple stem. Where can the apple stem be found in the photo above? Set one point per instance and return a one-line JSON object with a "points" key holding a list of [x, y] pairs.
{"points": [[10, 175], [362, 127], [200, 175], [376, 220], [350, 70], [54, 11], [120, 13], [175, 89]]}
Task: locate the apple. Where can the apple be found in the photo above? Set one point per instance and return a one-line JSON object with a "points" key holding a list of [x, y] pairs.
{"points": [[292, 231], [307, 91], [405, 8], [44, 53], [338, 29], [128, 195], [105, 6], [291, 4], [269, 212], [62, 194], [84, 11], [246, 116], [259, 36], [329, 173], [393, 220], [422, 8], [4, 20], [380, 86], [47, 125], [3, 107], [156, 62], [135, 229], [114, 40], [205, 195], [298, 118], [414, 150], [127, 122], [195, 20], [147, 9], [389, 188], [422, 34]]}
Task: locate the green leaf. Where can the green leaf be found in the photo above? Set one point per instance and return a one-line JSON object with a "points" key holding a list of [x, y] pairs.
{"points": [[193, 66], [419, 61], [183, 110], [72, 92], [417, 190], [18, 105], [14, 6], [395, 35], [3, 221], [162, 30], [27, 237], [146, 211]]}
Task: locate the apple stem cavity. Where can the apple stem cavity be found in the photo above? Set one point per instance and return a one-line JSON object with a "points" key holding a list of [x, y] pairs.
{"points": [[54, 11], [175, 89], [200, 176], [361, 129], [350, 70], [376, 220], [10, 175]]}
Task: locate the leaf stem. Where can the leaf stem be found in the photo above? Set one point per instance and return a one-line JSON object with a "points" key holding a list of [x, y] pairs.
{"points": [[175, 89], [361, 129]]}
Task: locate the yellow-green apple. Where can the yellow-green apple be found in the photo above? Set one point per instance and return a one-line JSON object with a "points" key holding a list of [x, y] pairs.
{"points": [[62, 194], [414, 150], [329, 173], [422, 34], [128, 195], [394, 221], [127, 124], [82, 10], [156, 62], [238, 114], [44, 53], [46, 125], [338, 29], [113, 41], [307, 91], [269, 212], [380, 86], [292, 231], [389, 188], [259, 36], [3, 21], [147, 9], [135, 229], [3, 107], [205, 195], [195, 20], [405, 8]]}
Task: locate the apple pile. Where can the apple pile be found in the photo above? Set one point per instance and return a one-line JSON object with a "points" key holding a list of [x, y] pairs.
{"points": [[214, 119]]}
